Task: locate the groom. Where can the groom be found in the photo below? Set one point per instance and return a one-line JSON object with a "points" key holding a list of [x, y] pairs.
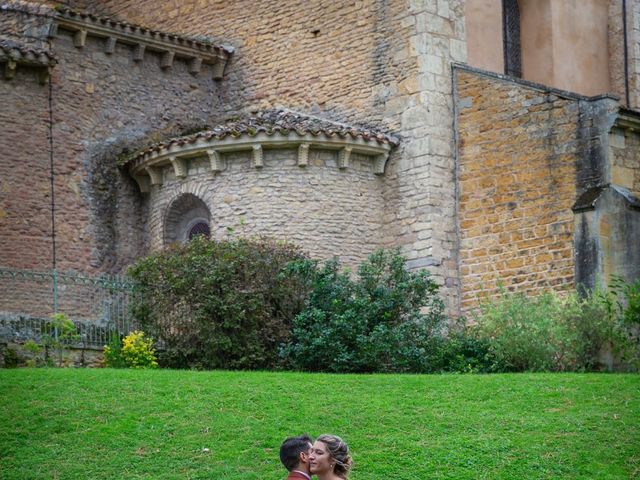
{"points": [[294, 455]]}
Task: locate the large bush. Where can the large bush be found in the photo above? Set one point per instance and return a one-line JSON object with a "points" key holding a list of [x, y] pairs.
{"points": [[384, 319], [550, 332], [218, 304]]}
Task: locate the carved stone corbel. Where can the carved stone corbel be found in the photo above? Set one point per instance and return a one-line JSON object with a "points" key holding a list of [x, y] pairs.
{"points": [[218, 69], [379, 163], [44, 74], [215, 160], [10, 69], [179, 166], [344, 157], [166, 60], [143, 183], [110, 45], [79, 38], [53, 30], [303, 154], [155, 175], [195, 64], [138, 52], [258, 161]]}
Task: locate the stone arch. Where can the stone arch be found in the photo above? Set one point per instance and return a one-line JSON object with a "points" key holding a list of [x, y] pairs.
{"points": [[186, 216]]}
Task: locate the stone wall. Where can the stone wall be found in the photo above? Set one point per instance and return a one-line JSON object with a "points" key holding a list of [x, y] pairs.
{"points": [[102, 103], [377, 62], [328, 211], [16, 355], [25, 194], [625, 159], [633, 27], [616, 49], [525, 152]]}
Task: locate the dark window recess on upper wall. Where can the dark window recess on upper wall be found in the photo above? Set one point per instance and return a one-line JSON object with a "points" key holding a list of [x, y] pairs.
{"points": [[511, 38]]}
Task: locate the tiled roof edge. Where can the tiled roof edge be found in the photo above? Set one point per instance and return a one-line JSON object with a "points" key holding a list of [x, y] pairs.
{"points": [[277, 121], [25, 54]]}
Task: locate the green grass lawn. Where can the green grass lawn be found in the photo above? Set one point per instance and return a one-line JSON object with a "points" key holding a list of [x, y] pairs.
{"points": [[112, 424]]}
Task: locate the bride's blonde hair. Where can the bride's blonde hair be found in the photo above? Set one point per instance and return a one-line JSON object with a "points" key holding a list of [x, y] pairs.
{"points": [[339, 452]]}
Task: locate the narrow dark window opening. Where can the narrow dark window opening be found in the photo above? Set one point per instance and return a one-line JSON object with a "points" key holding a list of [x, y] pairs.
{"points": [[511, 38], [200, 228]]}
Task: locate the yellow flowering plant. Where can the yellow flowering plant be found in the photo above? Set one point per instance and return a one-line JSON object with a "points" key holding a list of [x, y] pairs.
{"points": [[135, 351]]}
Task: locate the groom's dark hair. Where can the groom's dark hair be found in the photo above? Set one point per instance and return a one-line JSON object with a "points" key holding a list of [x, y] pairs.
{"points": [[291, 449]]}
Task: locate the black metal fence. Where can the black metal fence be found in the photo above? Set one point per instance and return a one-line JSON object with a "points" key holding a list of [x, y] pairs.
{"points": [[97, 305]]}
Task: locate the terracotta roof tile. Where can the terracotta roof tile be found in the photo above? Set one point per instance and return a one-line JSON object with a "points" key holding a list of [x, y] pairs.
{"points": [[26, 54], [280, 121]]}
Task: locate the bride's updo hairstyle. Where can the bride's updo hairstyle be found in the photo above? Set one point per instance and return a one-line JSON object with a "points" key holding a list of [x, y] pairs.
{"points": [[339, 452]]}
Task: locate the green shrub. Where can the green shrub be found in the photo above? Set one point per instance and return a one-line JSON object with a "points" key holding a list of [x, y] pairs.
{"points": [[135, 351], [549, 332], [11, 358], [35, 350], [627, 300], [113, 352], [60, 333], [462, 352], [219, 304], [385, 319]]}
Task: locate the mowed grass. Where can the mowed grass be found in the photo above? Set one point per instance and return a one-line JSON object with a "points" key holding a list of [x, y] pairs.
{"points": [[126, 424]]}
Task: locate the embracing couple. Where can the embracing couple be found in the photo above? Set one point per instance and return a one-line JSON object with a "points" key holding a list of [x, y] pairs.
{"points": [[327, 458]]}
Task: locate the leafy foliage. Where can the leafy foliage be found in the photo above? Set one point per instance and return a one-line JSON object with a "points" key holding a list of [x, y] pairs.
{"points": [[462, 352], [60, 334], [219, 304], [113, 352], [135, 351], [627, 300], [385, 319], [549, 332]]}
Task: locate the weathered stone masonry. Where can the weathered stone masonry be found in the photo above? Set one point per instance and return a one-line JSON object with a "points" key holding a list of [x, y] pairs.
{"points": [[487, 179], [533, 161], [105, 97], [283, 174], [378, 63]]}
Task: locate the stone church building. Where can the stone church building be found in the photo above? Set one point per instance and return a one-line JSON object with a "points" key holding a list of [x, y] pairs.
{"points": [[493, 141]]}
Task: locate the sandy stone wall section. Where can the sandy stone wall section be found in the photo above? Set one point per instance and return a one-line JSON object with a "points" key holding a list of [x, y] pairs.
{"points": [[422, 177], [633, 23], [518, 147], [616, 50], [625, 159]]}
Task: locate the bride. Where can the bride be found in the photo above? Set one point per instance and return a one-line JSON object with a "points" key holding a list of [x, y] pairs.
{"points": [[329, 458]]}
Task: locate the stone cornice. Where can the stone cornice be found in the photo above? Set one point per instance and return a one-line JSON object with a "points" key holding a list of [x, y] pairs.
{"points": [[144, 167], [13, 54], [628, 120], [169, 46]]}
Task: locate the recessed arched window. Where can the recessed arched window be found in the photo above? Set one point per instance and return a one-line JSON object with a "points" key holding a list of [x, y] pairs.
{"points": [[187, 217], [511, 38], [199, 228]]}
